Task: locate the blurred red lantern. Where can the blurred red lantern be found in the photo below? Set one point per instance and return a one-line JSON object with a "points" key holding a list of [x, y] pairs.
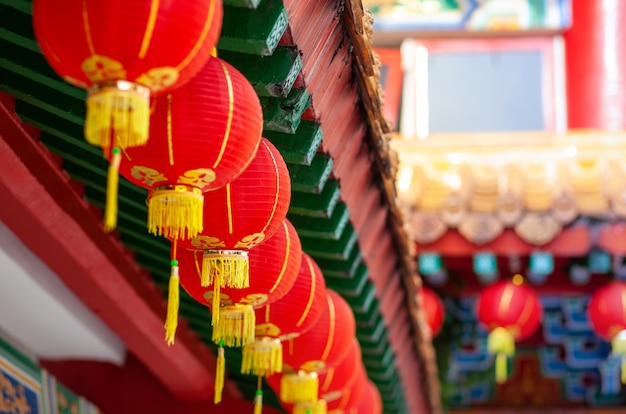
{"points": [[342, 375], [286, 318], [371, 402], [121, 52], [202, 136], [433, 310], [511, 312], [347, 398], [322, 346], [607, 314]]}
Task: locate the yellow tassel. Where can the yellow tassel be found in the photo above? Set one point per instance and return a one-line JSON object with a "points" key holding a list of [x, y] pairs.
{"points": [[299, 387], [113, 179], [263, 357], [258, 402], [175, 211], [119, 109], [219, 374], [173, 301], [228, 267], [235, 326], [618, 347], [215, 306], [310, 407], [501, 343]]}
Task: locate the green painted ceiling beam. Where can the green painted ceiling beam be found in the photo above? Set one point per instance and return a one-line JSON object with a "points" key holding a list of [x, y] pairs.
{"points": [[255, 31], [342, 268], [285, 114], [331, 249], [316, 205], [299, 147], [269, 75], [349, 288], [325, 228]]}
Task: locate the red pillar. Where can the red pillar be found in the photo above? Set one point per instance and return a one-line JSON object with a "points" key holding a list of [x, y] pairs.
{"points": [[595, 53]]}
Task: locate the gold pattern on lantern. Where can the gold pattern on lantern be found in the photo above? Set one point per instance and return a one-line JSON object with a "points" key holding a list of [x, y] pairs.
{"points": [[313, 366], [250, 240], [158, 79], [225, 300], [267, 329], [200, 177], [207, 242], [149, 176], [99, 68], [76, 82], [254, 299]]}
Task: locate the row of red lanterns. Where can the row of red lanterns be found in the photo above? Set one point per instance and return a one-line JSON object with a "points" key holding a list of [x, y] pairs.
{"points": [[217, 190]]}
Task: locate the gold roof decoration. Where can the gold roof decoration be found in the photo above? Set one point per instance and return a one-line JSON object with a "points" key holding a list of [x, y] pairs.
{"points": [[534, 183]]}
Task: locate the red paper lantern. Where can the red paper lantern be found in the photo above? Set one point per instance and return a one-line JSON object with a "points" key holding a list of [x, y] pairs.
{"points": [[241, 215], [274, 267], [322, 346], [202, 136], [511, 312], [284, 319], [607, 314], [121, 52], [329, 381], [346, 399], [607, 309], [327, 342], [433, 310], [371, 401], [342, 375]]}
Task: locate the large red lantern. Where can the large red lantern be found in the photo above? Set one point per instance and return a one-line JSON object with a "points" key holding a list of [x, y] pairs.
{"points": [[274, 267], [433, 310], [121, 52], [202, 136], [322, 346], [287, 318], [607, 314], [512, 312], [241, 215], [371, 401]]}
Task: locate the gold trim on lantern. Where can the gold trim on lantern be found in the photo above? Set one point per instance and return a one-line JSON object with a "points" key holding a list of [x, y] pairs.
{"points": [[120, 109], [263, 357], [235, 326], [175, 211], [298, 387]]}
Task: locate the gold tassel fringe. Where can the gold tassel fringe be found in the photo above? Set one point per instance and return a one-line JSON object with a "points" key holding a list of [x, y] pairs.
{"points": [[310, 407], [215, 306], [299, 387], [263, 357], [229, 267], [220, 370], [501, 343], [175, 211], [235, 326], [113, 179], [120, 109], [173, 301]]}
